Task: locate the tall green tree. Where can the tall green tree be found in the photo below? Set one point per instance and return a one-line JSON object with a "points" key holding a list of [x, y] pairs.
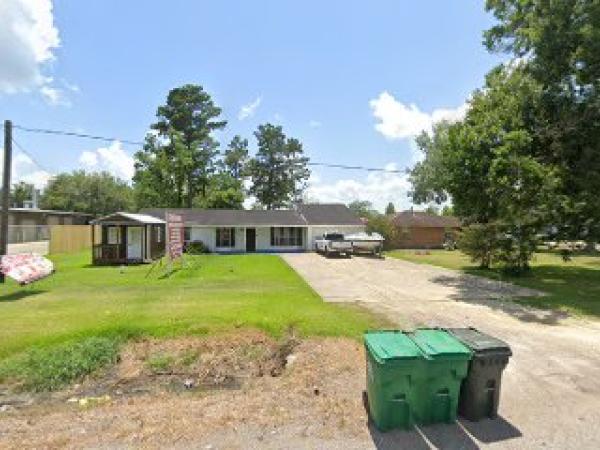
{"points": [[235, 157], [390, 209], [362, 208], [489, 165], [279, 169], [96, 193], [177, 162], [224, 192], [20, 193], [559, 44]]}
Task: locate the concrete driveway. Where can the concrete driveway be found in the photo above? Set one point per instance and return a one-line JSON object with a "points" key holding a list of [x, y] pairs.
{"points": [[551, 387]]}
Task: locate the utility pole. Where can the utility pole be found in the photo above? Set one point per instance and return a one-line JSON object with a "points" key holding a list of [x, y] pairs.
{"points": [[5, 190]]}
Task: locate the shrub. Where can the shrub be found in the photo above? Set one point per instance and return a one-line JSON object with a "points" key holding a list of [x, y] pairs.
{"points": [[196, 247], [480, 242], [160, 363], [511, 247], [50, 368]]}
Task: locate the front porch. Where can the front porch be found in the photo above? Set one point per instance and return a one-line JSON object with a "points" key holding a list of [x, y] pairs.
{"points": [[124, 238]]}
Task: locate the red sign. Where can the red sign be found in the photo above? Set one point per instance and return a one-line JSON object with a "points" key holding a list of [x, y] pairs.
{"points": [[174, 235]]}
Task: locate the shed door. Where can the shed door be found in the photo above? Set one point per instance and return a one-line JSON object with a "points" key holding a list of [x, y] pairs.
{"points": [[134, 242]]}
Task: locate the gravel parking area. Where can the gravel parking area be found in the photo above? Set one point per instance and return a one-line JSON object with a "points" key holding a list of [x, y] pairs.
{"points": [[551, 387]]}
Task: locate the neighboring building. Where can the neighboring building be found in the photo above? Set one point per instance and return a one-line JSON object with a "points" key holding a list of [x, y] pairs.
{"points": [[125, 238], [289, 230], [34, 216], [32, 224], [418, 229]]}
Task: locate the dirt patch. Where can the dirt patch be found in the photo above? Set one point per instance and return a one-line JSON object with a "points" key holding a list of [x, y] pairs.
{"points": [[189, 363], [246, 383]]}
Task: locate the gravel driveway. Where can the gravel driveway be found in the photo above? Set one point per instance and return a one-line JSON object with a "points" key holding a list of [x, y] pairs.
{"points": [[551, 387]]}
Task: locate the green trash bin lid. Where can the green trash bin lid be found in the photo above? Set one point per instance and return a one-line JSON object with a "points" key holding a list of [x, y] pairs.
{"points": [[438, 344], [390, 345], [480, 343]]}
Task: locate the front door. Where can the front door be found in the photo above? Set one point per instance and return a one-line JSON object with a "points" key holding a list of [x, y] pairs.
{"points": [[134, 243], [250, 239]]}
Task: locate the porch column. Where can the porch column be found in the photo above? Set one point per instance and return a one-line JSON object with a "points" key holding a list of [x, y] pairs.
{"points": [[93, 243]]}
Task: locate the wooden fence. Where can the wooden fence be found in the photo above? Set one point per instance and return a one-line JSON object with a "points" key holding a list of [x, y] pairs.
{"points": [[70, 238]]}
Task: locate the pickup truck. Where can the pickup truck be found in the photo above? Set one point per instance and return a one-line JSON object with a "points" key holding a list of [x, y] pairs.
{"points": [[333, 244]]}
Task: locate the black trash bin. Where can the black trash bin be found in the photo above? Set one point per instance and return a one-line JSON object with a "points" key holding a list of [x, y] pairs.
{"points": [[480, 390]]}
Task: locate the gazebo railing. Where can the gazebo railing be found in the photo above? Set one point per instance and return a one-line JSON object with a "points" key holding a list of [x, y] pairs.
{"points": [[109, 253]]}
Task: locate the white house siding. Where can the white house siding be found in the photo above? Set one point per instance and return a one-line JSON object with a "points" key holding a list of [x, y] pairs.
{"points": [[316, 231], [208, 236], [263, 237], [263, 242]]}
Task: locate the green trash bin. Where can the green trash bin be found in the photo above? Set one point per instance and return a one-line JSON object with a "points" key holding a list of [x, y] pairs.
{"points": [[446, 364], [480, 391], [393, 364]]}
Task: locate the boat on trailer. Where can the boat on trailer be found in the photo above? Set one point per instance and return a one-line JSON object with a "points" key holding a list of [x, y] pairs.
{"points": [[366, 242]]}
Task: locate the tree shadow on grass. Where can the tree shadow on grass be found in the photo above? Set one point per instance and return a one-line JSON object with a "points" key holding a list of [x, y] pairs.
{"points": [[571, 287], [498, 295], [18, 295]]}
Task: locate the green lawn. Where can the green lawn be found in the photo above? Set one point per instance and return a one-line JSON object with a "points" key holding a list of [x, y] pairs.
{"points": [[572, 286], [214, 293]]}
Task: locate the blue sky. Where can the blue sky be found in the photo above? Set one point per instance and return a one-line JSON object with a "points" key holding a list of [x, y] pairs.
{"points": [[354, 81]]}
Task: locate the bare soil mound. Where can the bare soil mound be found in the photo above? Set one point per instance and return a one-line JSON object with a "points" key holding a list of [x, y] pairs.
{"points": [[193, 390]]}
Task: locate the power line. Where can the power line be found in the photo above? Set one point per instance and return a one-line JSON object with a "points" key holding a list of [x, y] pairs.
{"points": [[126, 141], [30, 156], [79, 135], [368, 169]]}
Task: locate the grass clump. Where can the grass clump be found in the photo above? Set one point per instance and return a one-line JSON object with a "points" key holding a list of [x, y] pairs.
{"points": [[160, 363], [50, 368]]}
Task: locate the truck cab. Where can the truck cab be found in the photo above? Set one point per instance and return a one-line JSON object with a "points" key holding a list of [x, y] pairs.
{"points": [[333, 243]]}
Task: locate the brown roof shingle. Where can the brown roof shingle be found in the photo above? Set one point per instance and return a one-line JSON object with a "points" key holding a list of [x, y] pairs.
{"points": [[421, 219], [232, 217], [328, 214], [304, 214]]}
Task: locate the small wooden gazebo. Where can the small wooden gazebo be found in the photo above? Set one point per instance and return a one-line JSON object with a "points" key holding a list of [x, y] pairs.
{"points": [[126, 238]]}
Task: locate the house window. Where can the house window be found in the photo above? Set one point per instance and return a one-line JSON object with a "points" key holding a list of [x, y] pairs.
{"points": [[286, 237], [225, 237], [187, 234], [158, 234], [113, 235]]}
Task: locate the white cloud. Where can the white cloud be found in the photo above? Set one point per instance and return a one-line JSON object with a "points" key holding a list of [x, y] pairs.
{"points": [[314, 124], [54, 96], [71, 86], [24, 169], [379, 188], [88, 159], [249, 109], [405, 121], [28, 38], [112, 159]]}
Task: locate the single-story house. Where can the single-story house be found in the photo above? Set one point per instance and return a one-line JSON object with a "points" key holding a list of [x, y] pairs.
{"points": [[285, 230], [125, 238], [418, 229]]}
